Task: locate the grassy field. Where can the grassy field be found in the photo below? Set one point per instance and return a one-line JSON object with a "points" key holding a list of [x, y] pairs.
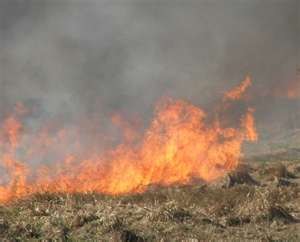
{"points": [[259, 202]]}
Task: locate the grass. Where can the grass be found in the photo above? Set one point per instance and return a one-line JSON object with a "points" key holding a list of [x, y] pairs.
{"points": [[240, 211]]}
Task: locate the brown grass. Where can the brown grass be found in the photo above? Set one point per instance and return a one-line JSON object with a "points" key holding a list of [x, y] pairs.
{"points": [[253, 208]]}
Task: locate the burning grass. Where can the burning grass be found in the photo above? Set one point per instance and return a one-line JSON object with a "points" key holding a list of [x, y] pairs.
{"points": [[179, 180], [179, 145], [244, 211]]}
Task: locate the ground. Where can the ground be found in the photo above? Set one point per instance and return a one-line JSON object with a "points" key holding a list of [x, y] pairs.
{"points": [[259, 202]]}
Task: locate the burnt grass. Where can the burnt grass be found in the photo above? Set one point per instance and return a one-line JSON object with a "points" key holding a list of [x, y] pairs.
{"points": [[259, 202]]}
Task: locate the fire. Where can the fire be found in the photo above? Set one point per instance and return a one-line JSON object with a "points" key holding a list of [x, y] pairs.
{"points": [[237, 92], [178, 147], [12, 129], [293, 91], [249, 124], [289, 90]]}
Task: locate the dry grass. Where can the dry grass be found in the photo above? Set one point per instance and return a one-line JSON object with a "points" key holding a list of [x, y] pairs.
{"points": [[234, 209]]}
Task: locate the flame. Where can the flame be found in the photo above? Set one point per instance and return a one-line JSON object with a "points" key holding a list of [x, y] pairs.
{"points": [[249, 124], [293, 90], [178, 147], [289, 90], [237, 92]]}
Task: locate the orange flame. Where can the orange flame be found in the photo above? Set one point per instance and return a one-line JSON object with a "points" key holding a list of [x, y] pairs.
{"points": [[289, 89], [249, 124], [178, 147], [237, 92], [293, 90]]}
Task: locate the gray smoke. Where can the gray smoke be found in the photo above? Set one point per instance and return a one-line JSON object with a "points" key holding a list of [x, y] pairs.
{"points": [[85, 56]]}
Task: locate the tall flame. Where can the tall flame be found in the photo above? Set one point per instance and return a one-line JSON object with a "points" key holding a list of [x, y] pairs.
{"points": [[178, 147]]}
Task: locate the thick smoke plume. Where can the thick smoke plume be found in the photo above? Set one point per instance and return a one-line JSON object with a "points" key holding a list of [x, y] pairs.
{"points": [[71, 58]]}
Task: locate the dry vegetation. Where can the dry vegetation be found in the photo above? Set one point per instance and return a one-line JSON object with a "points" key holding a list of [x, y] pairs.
{"points": [[260, 202]]}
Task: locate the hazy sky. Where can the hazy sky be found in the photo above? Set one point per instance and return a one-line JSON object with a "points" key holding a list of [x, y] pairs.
{"points": [[125, 54]]}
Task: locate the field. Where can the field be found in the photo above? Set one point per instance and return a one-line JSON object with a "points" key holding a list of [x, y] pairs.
{"points": [[259, 202]]}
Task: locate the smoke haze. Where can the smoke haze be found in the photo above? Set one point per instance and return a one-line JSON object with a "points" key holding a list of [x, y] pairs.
{"points": [[73, 57]]}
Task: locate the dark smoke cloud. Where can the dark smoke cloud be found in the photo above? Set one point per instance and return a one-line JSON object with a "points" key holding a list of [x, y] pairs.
{"points": [[73, 56]]}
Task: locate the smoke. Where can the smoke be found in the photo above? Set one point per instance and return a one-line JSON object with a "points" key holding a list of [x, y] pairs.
{"points": [[77, 57]]}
